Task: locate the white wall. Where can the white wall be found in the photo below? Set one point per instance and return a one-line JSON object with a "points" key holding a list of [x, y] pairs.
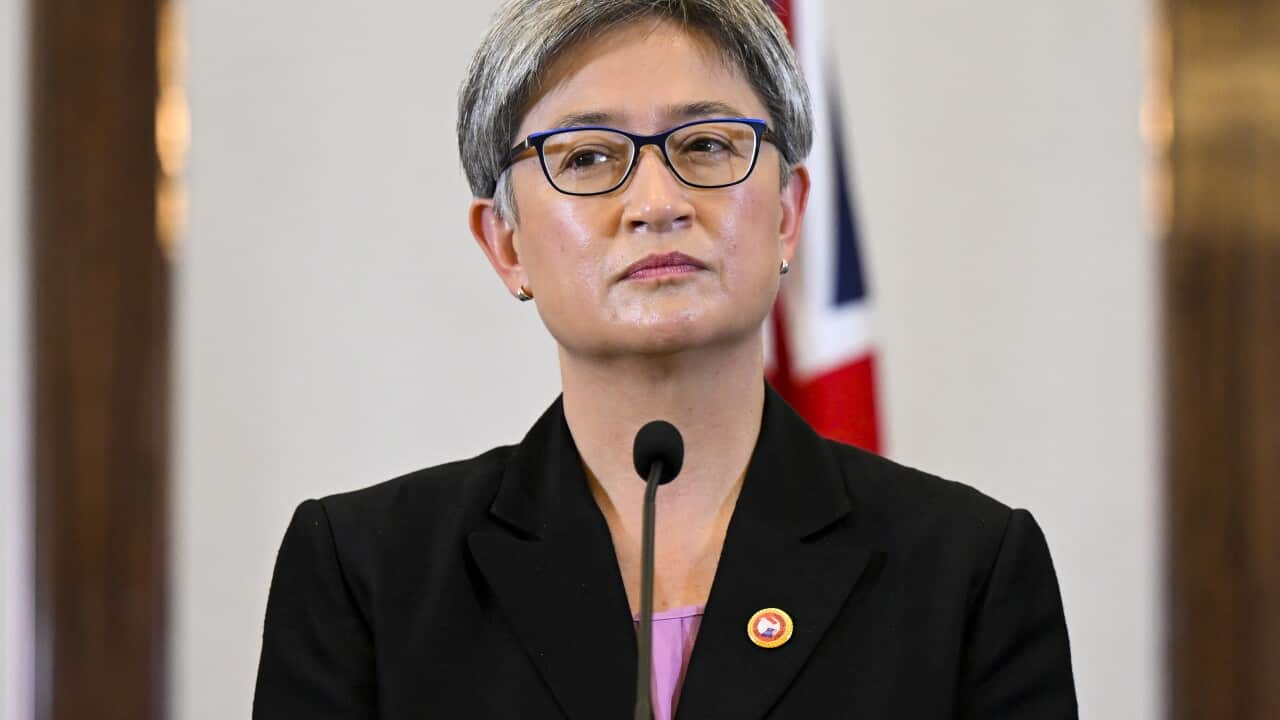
{"points": [[997, 154], [15, 584], [317, 350]]}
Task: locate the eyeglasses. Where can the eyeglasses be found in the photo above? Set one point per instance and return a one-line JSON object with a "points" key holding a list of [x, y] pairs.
{"points": [[595, 160]]}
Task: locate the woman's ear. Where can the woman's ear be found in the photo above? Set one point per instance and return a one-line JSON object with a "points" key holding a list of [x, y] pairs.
{"points": [[496, 237], [794, 198]]}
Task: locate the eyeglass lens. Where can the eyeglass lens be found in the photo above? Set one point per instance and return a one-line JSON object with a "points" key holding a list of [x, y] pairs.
{"points": [[593, 161]]}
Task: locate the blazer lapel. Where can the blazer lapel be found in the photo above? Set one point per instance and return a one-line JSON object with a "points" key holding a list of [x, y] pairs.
{"points": [[775, 555], [555, 576]]}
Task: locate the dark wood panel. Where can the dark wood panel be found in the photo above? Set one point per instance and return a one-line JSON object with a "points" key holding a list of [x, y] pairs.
{"points": [[1222, 313], [1224, 463], [101, 343]]}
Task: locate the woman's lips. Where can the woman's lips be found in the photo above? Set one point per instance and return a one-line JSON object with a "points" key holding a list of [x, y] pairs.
{"points": [[662, 265], [662, 271]]}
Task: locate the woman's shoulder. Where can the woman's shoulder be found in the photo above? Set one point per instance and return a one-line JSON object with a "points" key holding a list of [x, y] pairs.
{"points": [[451, 493], [906, 504], [943, 533]]}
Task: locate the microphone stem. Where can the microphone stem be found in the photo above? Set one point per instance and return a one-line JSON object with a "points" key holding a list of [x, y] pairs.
{"points": [[644, 665]]}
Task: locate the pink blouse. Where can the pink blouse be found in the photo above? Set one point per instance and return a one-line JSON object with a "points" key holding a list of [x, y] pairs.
{"points": [[673, 635]]}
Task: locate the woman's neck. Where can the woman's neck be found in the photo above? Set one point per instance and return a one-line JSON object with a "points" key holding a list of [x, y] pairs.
{"points": [[714, 397]]}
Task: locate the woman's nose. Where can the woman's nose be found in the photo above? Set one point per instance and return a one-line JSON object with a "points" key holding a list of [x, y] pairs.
{"points": [[655, 199]]}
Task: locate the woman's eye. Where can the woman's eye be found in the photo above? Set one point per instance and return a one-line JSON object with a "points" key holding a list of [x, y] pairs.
{"points": [[706, 145], [585, 159]]}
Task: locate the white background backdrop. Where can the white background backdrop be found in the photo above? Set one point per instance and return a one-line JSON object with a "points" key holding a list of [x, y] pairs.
{"points": [[337, 325], [14, 568]]}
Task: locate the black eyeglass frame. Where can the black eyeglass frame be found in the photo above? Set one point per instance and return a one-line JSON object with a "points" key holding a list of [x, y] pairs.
{"points": [[538, 139]]}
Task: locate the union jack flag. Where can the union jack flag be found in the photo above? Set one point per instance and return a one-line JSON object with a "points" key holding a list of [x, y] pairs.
{"points": [[819, 352]]}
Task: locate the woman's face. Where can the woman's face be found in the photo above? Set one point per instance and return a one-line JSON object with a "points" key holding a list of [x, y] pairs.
{"points": [[572, 252]]}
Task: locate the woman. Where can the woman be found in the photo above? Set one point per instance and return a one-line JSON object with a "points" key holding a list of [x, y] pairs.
{"points": [[638, 173]]}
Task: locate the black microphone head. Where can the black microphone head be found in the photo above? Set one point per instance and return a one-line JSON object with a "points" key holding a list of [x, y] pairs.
{"points": [[659, 440]]}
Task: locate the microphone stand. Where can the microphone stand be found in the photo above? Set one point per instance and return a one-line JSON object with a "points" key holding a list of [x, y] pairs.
{"points": [[644, 666]]}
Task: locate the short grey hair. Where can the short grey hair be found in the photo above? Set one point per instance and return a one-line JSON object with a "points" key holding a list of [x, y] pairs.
{"points": [[526, 36]]}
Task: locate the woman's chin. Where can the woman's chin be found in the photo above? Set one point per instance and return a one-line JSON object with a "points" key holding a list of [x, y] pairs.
{"points": [[660, 325], [670, 335]]}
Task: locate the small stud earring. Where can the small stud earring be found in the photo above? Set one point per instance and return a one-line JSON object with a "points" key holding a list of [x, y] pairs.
{"points": [[523, 294], [786, 267]]}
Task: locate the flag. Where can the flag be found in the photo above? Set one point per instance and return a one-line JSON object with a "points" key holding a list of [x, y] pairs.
{"points": [[819, 352]]}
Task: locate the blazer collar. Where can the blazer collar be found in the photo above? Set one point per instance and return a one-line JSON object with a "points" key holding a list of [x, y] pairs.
{"points": [[555, 575], [792, 485]]}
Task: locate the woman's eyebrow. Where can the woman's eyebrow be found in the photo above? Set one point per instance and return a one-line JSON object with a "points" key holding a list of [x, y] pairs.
{"points": [[590, 117], [673, 113], [701, 108]]}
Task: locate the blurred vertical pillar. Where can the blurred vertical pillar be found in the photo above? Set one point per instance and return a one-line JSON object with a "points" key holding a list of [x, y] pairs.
{"points": [[1222, 320], [100, 303]]}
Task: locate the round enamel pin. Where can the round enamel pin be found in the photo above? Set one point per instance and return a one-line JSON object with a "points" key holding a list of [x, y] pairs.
{"points": [[769, 628]]}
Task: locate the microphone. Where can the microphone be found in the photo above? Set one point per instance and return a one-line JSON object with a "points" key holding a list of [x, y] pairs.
{"points": [[658, 454]]}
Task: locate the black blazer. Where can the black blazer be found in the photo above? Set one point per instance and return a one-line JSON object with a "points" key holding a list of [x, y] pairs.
{"points": [[488, 588]]}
